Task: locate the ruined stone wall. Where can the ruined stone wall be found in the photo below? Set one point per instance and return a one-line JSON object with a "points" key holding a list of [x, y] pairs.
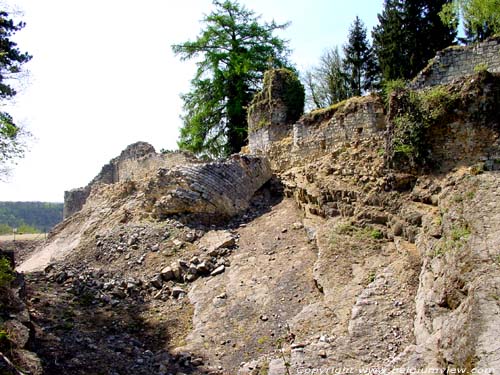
{"points": [[314, 134], [319, 131], [459, 61], [274, 109], [136, 162], [212, 191]]}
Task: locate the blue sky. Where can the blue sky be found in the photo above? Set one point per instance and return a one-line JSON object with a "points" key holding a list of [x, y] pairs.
{"points": [[103, 76]]}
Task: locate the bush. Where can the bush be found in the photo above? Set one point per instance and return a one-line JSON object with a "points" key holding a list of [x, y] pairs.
{"points": [[413, 113], [6, 272]]}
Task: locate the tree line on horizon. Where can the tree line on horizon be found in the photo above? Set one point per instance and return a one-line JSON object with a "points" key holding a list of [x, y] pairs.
{"points": [[235, 48], [29, 217]]}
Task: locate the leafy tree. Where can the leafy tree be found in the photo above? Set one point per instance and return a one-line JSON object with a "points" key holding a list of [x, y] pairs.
{"points": [[327, 83], [39, 215], [359, 59], [408, 35], [11, 60], [236, 48], [481, 17]]}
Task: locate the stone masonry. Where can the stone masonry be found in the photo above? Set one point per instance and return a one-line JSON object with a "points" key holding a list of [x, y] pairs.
{"points": [[135, 162], [211, 191], [460, 61], [270, 116]]}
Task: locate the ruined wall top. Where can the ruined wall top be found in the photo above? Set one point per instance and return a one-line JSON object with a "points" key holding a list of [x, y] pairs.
{"points": [[460, 61], [280, 102], [137, 161]]}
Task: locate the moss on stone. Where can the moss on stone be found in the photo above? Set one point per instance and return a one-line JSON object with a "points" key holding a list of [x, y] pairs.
{"points": [[281, 87]]}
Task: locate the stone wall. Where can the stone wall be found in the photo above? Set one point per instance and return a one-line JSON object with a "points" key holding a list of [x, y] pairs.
{"points": [[459, 61], [137, 161], [209, 191], [274, 109], [319, 131], [286, 141]]}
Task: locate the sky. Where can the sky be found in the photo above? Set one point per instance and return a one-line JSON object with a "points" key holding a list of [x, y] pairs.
{"points": [[103, 76]]}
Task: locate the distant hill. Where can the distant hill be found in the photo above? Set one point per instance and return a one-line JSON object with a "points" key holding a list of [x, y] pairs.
{"points": [[29, 217]]}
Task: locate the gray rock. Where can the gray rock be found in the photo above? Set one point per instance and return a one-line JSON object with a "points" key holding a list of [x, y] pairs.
{"points": [[178, 292], [218, 270], [157, 281], [215, 240], [167, 273]]}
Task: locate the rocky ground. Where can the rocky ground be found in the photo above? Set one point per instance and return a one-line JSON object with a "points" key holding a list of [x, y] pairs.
{"points": [[284, 288]]}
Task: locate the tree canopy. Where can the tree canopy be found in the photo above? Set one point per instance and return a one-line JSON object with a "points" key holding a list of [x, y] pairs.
{"points": [[234, 49], [359, 60], [11, 61], [328, 82], [408, 35], [481, 18]]}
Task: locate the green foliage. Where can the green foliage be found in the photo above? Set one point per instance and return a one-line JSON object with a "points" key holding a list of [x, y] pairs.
{"points": [[370, 278], [11, 60], [459, 233], [234, 51], [388, 87], [481, 18], [357, 232], [376, 234], [417, 111], [408, 35], [6, 272], [481, 67], [293, 96], [5, 229], [291, 91], [359, 61], [456, 240], [327, 83], [30, 217]]}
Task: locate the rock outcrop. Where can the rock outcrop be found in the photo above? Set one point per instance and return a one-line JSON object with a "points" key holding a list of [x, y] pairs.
{"points": [[213, 191], [350, 260]]}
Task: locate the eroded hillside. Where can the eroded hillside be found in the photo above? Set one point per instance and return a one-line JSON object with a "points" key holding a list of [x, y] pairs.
{"points": [[332, 247]]}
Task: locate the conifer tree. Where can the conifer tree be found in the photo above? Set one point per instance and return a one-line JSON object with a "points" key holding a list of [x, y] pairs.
{"points": [[359, 60], [234, 51], [408, 35]]}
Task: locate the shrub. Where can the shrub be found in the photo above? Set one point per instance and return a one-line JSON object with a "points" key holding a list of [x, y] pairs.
{"points": [[6, 272], [413, 112]]}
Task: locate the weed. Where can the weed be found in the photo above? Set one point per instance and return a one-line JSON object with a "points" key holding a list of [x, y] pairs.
{"points": [[6, 272], [481, 67], [264, 369], [286, 361], [460, 233], [417, 111], [262, 340], [470, 194], [376, 234], [371, 277]]}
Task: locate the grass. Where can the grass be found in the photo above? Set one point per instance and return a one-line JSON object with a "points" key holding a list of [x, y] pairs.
{"points": [[455, 241], [370, 278], [460, 233]]}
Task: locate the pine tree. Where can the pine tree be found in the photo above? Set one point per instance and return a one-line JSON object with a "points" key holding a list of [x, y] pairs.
{"points": [[408, 35], [236, 49], [359, 60]]}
